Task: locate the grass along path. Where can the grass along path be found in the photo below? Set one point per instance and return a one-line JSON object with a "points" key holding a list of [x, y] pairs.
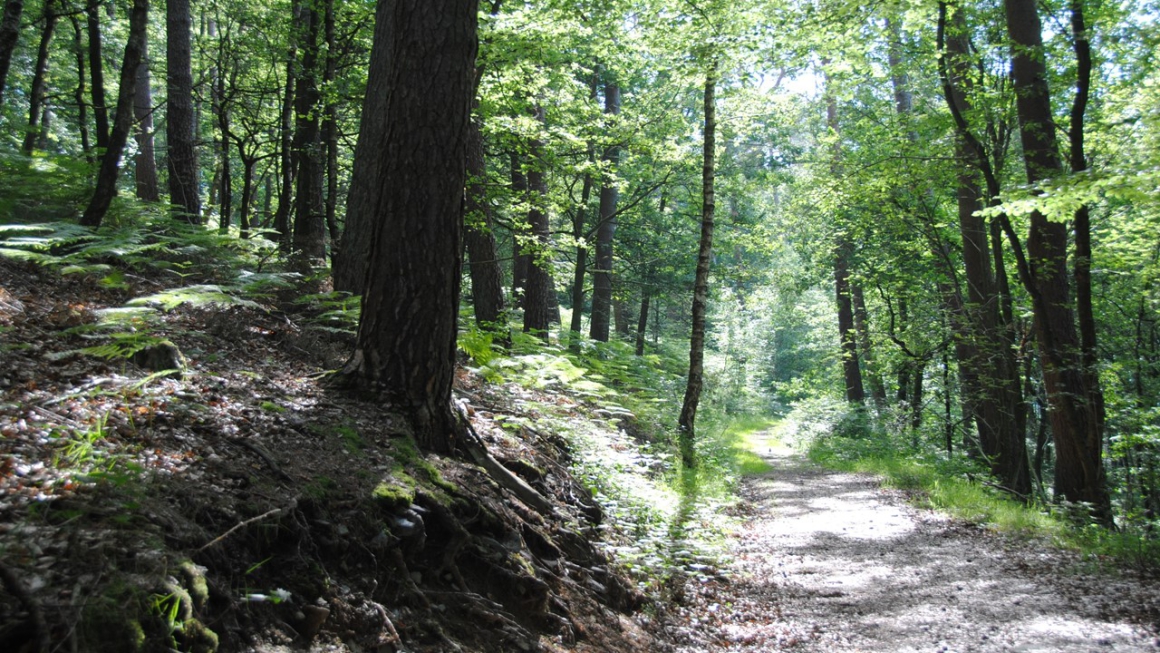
{"points": [[829, 561]]}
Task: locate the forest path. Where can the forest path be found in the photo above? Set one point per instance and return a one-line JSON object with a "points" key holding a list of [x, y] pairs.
{"points": [[829, 561]]}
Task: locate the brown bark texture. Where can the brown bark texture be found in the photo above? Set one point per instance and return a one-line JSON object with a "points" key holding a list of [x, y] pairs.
{"points": [[350, 261], [145, 164], [406, 337]]}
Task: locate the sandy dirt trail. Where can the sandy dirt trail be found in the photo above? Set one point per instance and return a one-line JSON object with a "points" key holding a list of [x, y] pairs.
{"points": [[828, 561]]}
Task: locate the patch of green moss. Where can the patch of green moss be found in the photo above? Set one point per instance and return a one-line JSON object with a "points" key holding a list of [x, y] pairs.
{"points": [[394, 492], [272, 407], [351, 439]]}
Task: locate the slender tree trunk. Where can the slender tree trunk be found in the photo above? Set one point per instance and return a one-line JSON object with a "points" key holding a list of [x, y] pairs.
{"points": [[688, 419], [309, 212], [579, 232], [79, 92], [222, 109], [843, 249], [350, 261], [1074, 400], [110, 163], [247, 193], [330, 129], [184, 189], [521, 260], [39, 74], [540, 288], [406, 338], [145, 165], [866, 346], [289, 157], [606, 229], [97, 75], [9, 34], [992, 384], [580, 271], [642, 322], [486, 276]]}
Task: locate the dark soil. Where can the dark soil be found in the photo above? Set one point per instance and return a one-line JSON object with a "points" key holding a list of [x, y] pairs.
{"points": [[246, 506]]}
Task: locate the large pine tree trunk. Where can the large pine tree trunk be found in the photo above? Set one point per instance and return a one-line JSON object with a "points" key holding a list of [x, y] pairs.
{"points": [[406, 337], [606, 229], [184, 190], [9, 34], [540, 289], [106, 188], [1074, 399], [688, 420], [350, 261], [486, 276], [39, 75]]}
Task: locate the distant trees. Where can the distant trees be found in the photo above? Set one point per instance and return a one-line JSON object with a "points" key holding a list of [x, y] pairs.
{"points": [[107, 174]]}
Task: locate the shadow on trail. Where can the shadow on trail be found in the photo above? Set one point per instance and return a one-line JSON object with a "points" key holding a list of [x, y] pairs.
{"points": [[859, 571]]}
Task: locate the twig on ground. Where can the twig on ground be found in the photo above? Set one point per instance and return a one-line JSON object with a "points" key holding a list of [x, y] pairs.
{"points": [[269, 513]]}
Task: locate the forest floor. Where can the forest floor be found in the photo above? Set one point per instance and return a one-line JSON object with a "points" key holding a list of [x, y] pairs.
{"points": [[830, 561]]}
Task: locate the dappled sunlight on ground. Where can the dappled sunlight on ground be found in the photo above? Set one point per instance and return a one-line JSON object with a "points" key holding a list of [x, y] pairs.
{"points": [[829, 561]]}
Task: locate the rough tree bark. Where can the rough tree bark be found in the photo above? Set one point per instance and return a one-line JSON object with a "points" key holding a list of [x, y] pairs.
{"points": [[184, 190], [688, 419], [350, 261], [406, 336], [106, 188]]}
